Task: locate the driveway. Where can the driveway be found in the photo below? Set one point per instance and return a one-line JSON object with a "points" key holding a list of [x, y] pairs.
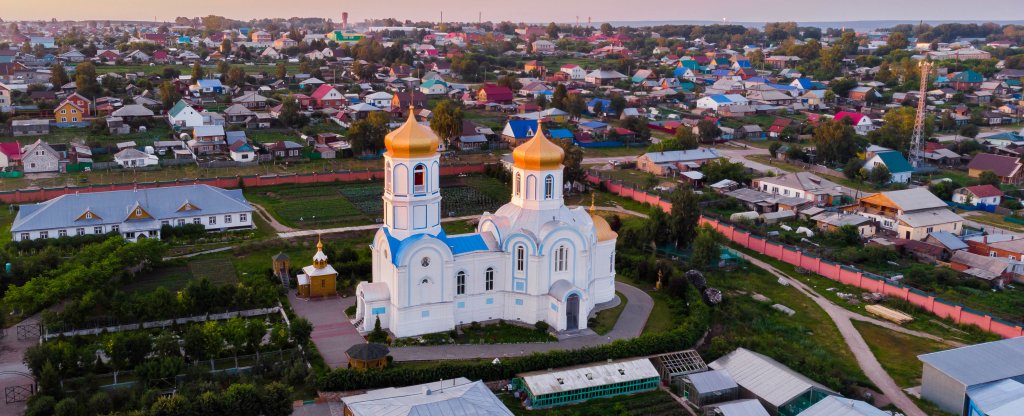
{"points": [[333, 334], [991, 229], [854, 340], [630, 324], [12, 367]]}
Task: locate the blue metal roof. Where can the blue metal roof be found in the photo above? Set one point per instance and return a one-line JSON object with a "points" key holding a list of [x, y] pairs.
{"points": [[560, 134], [209, 83], [604, 103], [783, 87], [523, 129], [743, 63], [895, 162], [721, 99], [680, 71], [720, 72], [805, 83], [593, 124], [459, 244]]}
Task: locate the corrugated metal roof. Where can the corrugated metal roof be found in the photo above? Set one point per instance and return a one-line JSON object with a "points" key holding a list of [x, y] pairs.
{"points": [[114, 206], [547, 382], [746, 407], [981, 363], [998, 397], [712, 381], [765, 377], [456, 397], [839, 406]]}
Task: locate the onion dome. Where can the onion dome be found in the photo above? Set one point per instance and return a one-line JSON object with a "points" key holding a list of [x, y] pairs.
{"points": [[538, 153], [319, 259], [411, 140]]}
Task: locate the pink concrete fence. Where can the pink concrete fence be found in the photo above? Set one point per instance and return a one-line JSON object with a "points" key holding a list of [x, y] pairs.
{"points": [[941, 308], [39, 195]]}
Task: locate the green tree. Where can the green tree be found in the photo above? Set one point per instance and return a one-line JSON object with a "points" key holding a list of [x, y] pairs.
{"points": [[300, 330], [85, 80], [236, 76], [225, 46], [127, 349], [168, 95], [174, 405], [58, 77], [572, 164], [280, 71], [705, 252], [969, 130], [447, 121], [552, 30], [368, 134], [377, 335], [852, 169], [684, 216], [835, 141], [773, 149], [197, 72], [898, 41], [898, 128], [988, 178], [290, 115], [559, 97], [708, 131], [719, 169], [880, 175], [575, 106], [618, 104]]}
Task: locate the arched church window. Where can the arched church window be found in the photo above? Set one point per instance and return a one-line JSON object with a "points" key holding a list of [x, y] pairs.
{"points": [[549, 187], [460, 283], [489, 279], [387, 177], [561, 259], [520, 258], [419, 175], [519, 178]]}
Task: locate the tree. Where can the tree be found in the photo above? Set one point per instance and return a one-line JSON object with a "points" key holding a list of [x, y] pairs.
{"points": [[618, 104], [898, 41], [197, 71], [880, 175], [127, 349], [377, 335], [773, 149], [280, 71], [719, 169], [552, 30], [225, 46], [835, 141], [969, 130], [169, 95], [300, 330], [559, 97], [58, 77], [541, 101], [898, 128], [708, 131], [598, 108], [684, 216], [705, 252], [447, 121], [290, 115], [236, 76], [989, 178], [572, 164], [368, 134], [174, 405], [852, 169], [222, 68], [575, 106], [607, 29], [85, 80]]}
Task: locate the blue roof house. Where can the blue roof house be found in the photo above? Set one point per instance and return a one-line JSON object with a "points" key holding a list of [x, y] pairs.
{"points": [[895, 162]]}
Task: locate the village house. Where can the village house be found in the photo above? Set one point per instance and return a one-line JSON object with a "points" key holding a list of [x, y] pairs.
{"points": [[326, 96], [73, 109], [804, 185], [575, 72], [284, 149], [985, 197], [894, 161], [490, 93], [134, 158], [183, 116], [40, 157], [861, 123], [251, 100], [668, 163], [911, 213], [208, 140], [10, 155], [1007, 168]]}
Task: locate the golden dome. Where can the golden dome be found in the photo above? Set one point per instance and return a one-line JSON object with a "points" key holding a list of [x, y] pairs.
{"points": [[602, 229], [412, 139], [538, 153]]}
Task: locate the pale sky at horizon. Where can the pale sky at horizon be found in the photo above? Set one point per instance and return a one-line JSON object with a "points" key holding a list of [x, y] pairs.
{"points": [[521, 10]]}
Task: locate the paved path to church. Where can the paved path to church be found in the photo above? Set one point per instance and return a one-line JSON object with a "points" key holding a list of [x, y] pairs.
{"points": [[12, 368], [854, 340], [333, 334], [630, 324]]}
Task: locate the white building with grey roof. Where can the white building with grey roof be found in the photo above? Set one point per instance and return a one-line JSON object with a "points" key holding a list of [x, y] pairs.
{"points": [[134, 214], [780, 389], [984, 379], [456, 397]]}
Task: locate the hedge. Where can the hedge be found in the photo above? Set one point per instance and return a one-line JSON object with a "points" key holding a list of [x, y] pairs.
{"points": [[684, 336]]}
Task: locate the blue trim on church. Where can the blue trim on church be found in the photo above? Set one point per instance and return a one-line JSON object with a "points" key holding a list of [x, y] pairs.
{"points": [[459, 244]]}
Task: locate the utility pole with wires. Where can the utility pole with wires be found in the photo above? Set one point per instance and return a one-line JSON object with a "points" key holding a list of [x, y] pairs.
{"points": [[917, 140]]}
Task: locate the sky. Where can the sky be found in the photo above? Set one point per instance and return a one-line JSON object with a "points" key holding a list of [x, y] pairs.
{"points": [[564, 11]]}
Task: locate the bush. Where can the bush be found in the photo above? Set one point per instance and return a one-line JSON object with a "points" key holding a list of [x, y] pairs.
{"points": [[541, 326]]}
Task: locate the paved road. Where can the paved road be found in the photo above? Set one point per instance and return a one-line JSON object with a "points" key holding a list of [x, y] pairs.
{"points": [[333, 334], [854, 340], [277, 226], [985, 227], [740, 155], [12, 352], [630, 324]]}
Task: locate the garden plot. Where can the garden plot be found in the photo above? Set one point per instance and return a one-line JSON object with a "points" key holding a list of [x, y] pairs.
{"points": [[217, 271]]}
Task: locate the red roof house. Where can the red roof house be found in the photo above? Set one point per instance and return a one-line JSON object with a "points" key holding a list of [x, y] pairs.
{"points": [[328, 97], [491, 93], [10, 154]]}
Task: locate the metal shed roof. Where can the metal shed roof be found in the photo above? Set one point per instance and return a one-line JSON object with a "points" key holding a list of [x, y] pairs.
{"points": [[981, 363], [456, 397], [712, 381], [765, 377], [547, 382], [839, 406], [746, 407]]}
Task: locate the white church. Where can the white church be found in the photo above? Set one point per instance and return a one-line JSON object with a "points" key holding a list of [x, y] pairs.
{"points": [[532, 260]]}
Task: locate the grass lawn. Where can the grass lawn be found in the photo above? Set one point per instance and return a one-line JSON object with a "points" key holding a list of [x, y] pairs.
{"points": [[216, 270], [607, 199], [7, 213], [898, 352], [665, 316], [654, 403], [994, 220], [606, 319], [459, 227], [635, 177]]}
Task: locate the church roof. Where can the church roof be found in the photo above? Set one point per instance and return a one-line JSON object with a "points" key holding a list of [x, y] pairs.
{"points": [[459, 244], [411, 140]]}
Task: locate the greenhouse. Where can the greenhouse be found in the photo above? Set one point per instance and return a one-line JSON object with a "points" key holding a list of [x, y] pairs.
{"points": [[577, 384]]}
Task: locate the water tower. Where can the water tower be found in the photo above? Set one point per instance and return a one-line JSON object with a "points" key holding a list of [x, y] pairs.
{"points": [[344, 20]]}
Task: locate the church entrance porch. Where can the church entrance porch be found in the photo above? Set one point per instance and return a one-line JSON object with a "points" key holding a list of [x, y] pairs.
{"points": [[572, 312]]}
